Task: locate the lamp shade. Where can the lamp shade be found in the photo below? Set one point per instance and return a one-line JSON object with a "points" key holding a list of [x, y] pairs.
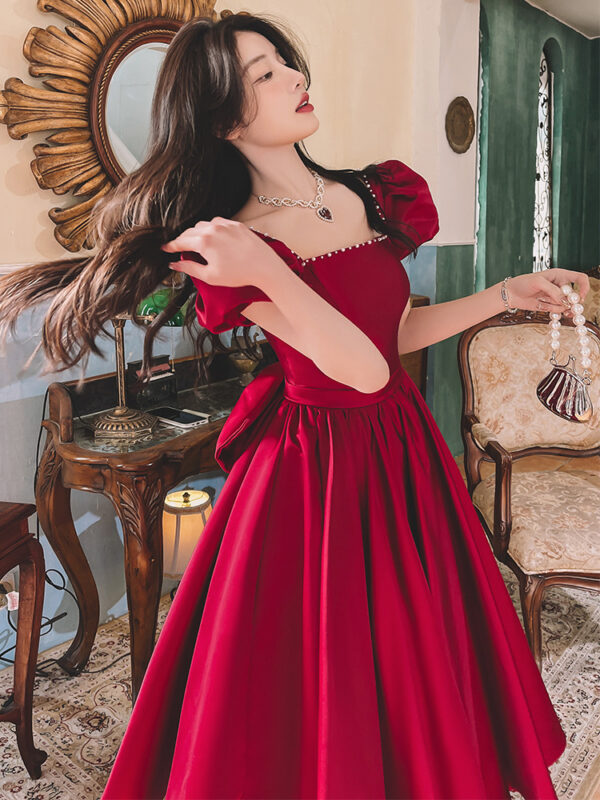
{"points": [[184, 516]]}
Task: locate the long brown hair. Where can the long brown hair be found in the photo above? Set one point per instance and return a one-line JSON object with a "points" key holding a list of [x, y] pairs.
{"points": [[191, 173]]}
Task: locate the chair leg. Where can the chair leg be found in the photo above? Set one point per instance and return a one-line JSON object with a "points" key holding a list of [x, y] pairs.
{"points": [[31, 599], [531, 591]]}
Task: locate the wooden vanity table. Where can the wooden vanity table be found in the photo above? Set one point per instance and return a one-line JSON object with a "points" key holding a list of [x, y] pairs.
{"points": [[136, 476]]}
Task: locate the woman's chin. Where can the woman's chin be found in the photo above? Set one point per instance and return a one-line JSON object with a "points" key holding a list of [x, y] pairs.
{"points": [[315, 126]]}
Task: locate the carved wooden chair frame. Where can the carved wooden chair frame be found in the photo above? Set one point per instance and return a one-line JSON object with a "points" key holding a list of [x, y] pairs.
{"points": [[531, 587]]}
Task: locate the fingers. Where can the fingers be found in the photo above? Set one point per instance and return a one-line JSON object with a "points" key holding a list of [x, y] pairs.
{"points": [[189, 240], [560, 276], [582, 282], [549, 297], [216, 222], [554, 293], [550, 305], [186, 256], [179, 243], [190, 267]]}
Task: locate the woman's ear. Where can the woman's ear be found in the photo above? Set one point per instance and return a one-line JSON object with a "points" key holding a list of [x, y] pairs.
{"points": [[232, 135]]}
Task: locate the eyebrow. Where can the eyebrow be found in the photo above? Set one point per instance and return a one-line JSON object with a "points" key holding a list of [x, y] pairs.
{"points": [[257, 58]]}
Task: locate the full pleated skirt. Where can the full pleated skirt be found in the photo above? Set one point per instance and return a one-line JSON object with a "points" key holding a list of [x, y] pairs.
{"points": [[342, 630]]}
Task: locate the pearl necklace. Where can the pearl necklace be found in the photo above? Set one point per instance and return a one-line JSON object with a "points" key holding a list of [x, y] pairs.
{"points": [[323, 212], [580, 331]]}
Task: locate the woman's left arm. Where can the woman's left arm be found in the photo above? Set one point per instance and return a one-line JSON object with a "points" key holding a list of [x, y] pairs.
{"points": [[535, 291]]}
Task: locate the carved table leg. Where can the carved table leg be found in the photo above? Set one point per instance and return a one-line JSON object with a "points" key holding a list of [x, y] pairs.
{"points": [[54, 511], [31, 600], [139, 502]]}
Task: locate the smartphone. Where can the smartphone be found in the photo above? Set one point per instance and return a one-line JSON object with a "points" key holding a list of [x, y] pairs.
{"points": [[181, 417]]}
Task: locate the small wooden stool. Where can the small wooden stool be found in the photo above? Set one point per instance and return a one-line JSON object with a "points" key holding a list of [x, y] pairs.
{"points": [[18, 548]]}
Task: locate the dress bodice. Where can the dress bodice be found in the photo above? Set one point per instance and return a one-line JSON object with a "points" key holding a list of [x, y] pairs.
{"points": [[368, 285], [365, 281]]}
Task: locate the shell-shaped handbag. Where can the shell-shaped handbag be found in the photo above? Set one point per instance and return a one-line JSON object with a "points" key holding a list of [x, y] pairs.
{"points": [[565, 393]]}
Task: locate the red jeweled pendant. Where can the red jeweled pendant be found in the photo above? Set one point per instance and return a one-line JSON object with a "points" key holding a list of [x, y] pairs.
{"points": [[325, 214]]}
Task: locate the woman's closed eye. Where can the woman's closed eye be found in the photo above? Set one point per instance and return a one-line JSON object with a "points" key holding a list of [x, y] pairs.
{"points": [[268, 74]]}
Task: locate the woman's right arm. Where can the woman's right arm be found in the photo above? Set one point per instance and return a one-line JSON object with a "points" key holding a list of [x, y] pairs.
{"points": [[307, 322], [297, 314]]}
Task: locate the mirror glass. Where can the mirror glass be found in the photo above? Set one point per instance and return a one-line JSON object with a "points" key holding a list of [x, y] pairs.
{"points": [[128, 103]]}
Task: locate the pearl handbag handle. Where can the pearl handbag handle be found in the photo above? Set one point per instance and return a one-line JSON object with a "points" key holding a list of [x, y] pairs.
{"points": [[563, 391]]}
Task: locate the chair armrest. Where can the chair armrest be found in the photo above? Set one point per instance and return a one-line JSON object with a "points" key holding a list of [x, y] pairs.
{"points": [[488, 441], [482, 435]]}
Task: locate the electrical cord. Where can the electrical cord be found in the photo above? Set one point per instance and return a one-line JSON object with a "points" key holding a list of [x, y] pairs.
{"points": [[37, 461], [74, 404]]}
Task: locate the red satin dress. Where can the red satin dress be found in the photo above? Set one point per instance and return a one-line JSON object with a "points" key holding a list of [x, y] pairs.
{"points": [[342, 629]]}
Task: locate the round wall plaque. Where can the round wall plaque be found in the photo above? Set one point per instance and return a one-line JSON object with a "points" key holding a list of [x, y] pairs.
{"points": [[460, 125]]}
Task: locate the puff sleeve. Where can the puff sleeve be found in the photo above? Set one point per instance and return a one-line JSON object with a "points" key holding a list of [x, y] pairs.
{"points": [[405, 199], [219, 308]]}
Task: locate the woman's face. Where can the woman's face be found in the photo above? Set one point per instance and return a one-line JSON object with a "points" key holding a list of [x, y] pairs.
{"points": [[273, 92]]}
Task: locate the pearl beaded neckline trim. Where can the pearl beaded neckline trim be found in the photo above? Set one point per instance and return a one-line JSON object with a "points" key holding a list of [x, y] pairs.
{"points": [[339, 249], [323, 255]]}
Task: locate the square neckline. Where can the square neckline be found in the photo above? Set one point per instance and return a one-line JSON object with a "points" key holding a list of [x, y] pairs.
{"points": [[305, 261]]}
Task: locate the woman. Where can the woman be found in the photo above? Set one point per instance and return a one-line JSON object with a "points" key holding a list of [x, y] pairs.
{"points": [[342, 629]]}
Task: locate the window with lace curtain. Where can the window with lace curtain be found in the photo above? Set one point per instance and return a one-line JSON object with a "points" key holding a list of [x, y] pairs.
{"points": [[542, 219]]}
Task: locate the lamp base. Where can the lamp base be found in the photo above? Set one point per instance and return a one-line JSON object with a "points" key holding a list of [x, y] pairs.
{"points": [[124, 423]]}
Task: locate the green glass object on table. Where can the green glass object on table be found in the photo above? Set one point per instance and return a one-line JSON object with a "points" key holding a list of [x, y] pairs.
{"points": [[156, 302]]}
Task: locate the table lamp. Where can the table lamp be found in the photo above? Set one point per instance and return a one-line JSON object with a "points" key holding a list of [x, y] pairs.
{"points": [[184, 517], [123, 422]]}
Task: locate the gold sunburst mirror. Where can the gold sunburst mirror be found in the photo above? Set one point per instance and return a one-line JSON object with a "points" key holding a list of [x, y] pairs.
{"points": [[98, 75]]}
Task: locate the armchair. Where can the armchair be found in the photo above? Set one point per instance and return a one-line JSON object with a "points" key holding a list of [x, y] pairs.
{"points": [[542, 522]]}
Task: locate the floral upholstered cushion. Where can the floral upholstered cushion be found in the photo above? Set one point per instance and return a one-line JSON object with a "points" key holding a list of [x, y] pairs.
{"points": [[556, 519], [507, 362]]}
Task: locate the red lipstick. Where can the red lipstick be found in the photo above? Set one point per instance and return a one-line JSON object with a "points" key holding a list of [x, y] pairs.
{"points": [[307, 106]]}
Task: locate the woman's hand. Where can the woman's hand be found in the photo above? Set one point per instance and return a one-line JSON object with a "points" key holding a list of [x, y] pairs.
{"points": [[540, 291], [235, 255]]}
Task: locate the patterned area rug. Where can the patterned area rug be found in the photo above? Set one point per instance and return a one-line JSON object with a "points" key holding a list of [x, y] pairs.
{"points": [[79, 721]]}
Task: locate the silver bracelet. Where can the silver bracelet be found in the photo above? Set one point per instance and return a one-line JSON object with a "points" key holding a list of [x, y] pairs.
{"points": [[504, 294]]}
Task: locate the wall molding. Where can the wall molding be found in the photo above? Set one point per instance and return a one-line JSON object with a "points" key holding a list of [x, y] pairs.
{"points": [[460, 243]]}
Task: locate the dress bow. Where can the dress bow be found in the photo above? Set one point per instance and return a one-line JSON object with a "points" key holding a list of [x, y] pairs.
{"points": [[258, 400]]}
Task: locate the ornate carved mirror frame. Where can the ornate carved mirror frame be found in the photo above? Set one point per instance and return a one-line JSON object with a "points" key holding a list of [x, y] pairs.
{"points": [[77, 64]]}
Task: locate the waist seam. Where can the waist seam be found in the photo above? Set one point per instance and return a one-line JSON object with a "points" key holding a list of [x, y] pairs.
{"points": [[343, 398]]}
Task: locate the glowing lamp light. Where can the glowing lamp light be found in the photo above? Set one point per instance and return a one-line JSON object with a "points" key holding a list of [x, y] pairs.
{"points": [[184, 517]]}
